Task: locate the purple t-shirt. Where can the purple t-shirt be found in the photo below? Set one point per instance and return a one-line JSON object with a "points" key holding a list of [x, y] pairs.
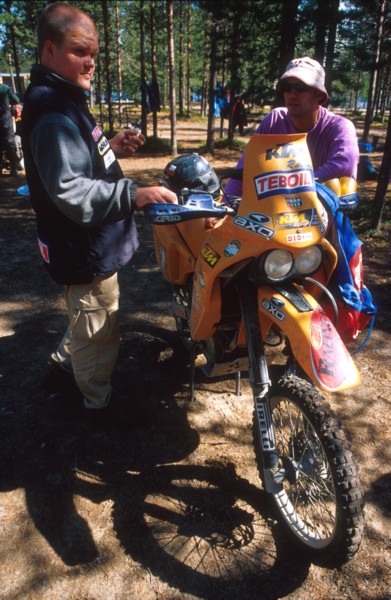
{"points": [[332, 144]]}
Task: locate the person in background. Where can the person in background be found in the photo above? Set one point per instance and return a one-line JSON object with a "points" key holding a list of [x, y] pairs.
{"points": [[84, 206], [331, 138], [8, 100]]}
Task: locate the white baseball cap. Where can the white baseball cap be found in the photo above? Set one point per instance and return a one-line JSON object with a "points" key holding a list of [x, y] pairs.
{"points": [[309, 71]]}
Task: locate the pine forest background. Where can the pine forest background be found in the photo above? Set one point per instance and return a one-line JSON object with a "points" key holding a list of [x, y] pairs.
{"points": [[171, 56]]}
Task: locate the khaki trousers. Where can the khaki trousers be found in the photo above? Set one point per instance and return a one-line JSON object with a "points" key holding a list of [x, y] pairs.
{"points": [[90, 345]]}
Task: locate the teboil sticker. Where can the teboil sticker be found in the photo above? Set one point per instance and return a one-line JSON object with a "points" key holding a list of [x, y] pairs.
{"points": [[329, 355], [282, 182], [44, 250]]}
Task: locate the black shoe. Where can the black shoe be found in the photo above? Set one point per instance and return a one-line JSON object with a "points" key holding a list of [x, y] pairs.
{"points": [[58, 380]]}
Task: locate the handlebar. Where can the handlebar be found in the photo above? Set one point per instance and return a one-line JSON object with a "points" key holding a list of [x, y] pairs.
{"points": [[197, 206]]}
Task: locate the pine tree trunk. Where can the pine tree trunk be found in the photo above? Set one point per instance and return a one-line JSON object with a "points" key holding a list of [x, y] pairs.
{"points": [[106, 35], [153, 60], [119, 72], [383, 181], [171, 66], [143, 76]]}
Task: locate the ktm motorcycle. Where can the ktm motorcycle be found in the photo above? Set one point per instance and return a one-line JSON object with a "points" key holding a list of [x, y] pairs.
{"points": [[257, 278]]}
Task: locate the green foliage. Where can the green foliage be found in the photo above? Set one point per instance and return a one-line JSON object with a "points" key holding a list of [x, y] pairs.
{"points": [[249, 34]]}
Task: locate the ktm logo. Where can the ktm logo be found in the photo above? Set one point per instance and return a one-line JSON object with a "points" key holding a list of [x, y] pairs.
{"points": [[285, 151], [210, 256]]}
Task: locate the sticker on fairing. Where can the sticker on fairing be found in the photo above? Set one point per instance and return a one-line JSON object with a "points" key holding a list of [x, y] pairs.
{"points": [[296, 219], [330, 358], [283, 183], [256, 227], [210, 256], [294, 202], [294, 238], [232, 249]]}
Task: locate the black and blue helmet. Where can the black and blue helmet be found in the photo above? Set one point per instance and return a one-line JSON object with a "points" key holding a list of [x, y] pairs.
{"points": [[191, 171]]}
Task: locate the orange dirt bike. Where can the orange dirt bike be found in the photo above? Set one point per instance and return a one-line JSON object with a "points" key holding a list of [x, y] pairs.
{"points": [[254, 279]]}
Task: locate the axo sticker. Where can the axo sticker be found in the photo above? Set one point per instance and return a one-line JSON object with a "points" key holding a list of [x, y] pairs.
{"points": [[255, 227], [273, 310]]}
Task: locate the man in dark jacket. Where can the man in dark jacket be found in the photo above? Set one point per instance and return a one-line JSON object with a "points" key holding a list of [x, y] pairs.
{"points": [[7, 134], [84, 205]]}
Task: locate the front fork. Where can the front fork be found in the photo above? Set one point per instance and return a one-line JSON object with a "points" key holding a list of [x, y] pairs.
{"points": [[260, 382]]}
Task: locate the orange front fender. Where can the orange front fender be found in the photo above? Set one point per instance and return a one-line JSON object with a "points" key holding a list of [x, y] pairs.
{"points": [[315, 342]]}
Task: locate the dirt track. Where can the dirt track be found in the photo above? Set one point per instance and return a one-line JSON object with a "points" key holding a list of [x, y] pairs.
{"points": [[169, 506]]}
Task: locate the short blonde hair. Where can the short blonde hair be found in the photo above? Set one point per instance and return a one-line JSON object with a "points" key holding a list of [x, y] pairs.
{"points": [[57, 20]]}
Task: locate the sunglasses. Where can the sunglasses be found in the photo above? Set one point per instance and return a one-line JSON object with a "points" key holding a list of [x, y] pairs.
{"points": [[298, 86]]}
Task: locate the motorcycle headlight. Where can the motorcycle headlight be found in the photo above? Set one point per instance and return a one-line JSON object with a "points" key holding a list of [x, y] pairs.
{"points": [[277, 264], [308, 260]]}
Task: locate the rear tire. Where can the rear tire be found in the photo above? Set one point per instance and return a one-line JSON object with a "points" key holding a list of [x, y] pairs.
{"points": [[320, 505]]}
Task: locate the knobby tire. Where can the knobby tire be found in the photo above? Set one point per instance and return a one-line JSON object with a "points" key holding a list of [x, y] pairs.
{"points": [[321, 505]]}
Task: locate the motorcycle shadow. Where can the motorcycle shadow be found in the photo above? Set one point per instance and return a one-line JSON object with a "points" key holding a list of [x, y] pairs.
{"points": [[206, 532], [201, 529]]}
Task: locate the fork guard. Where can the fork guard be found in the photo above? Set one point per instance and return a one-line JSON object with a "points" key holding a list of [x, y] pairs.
{"points": [[315, 343]]}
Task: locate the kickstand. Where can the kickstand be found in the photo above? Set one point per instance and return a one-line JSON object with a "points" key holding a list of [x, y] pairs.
{"points": [[237, 384], [192, 359]]}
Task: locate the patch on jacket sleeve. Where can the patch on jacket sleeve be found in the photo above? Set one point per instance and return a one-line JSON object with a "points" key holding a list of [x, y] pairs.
{"points": [[96, 133], [44, 250], [109, 158]]}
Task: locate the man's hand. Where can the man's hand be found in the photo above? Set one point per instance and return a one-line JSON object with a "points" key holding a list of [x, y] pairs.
{"points": [[157, 194], [126, 142]]}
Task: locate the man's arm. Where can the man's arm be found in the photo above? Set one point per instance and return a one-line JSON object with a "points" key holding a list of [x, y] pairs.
{"points": [[64, 165], [343, 153]]}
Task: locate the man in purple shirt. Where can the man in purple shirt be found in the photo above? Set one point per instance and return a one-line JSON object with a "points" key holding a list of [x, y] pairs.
{"points": [[331, 138]]}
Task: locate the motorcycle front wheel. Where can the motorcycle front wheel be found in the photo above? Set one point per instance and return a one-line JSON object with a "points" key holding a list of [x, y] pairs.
{"points": [[320, 503]]}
